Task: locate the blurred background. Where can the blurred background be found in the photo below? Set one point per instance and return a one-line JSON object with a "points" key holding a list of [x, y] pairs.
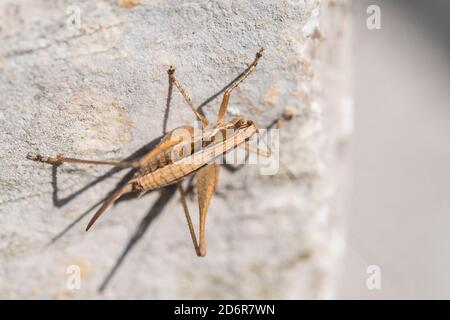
{"points": [[401, 164]]}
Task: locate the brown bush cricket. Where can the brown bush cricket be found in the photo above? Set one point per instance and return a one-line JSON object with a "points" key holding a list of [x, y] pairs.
{"points": [[181, 153]]}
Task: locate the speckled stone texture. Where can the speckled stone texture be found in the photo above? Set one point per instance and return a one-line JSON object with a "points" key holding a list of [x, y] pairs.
{"points": [[99, 90]]}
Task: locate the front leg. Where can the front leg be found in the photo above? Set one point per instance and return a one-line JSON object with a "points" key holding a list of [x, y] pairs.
{"points": [[226, 95]]}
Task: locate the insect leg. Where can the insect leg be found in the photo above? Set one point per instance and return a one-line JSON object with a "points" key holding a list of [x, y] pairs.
{"points": [[206, 183], [259, 152], [188, 100], [182, 134], [188, 218], [59, 159], [226, 95]]}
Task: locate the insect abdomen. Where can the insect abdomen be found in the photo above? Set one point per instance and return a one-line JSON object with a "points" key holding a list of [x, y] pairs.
{"points": [[173, 172], [165, 176]]}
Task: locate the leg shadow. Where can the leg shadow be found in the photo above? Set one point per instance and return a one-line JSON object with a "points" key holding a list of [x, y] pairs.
{"points": [[166, 195], [214, 96], [167, 111], [60, 202]]}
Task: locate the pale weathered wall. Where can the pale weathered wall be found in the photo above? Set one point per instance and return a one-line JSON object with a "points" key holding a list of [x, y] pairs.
{"points": [[101, 91]]}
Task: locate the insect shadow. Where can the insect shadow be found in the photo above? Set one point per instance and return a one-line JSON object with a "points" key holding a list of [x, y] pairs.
{"points": [[62, 202], [166, 194]]}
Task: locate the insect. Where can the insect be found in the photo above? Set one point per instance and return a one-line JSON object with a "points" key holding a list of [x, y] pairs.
{"points": [[179, 154]]}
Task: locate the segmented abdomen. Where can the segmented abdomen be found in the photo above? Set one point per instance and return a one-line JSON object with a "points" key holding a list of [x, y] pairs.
{"points": [[165, 176]]}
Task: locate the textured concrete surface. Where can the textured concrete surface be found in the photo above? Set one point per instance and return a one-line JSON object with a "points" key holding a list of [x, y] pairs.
{"points": [[98, 89]]}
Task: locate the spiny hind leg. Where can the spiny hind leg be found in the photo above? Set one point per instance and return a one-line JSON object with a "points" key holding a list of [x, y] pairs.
{"points": [[60, 159], [188, 100], [226, 95]]}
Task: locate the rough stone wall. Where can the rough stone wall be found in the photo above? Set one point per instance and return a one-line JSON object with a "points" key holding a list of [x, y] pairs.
{"points": [[99, 90]]}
